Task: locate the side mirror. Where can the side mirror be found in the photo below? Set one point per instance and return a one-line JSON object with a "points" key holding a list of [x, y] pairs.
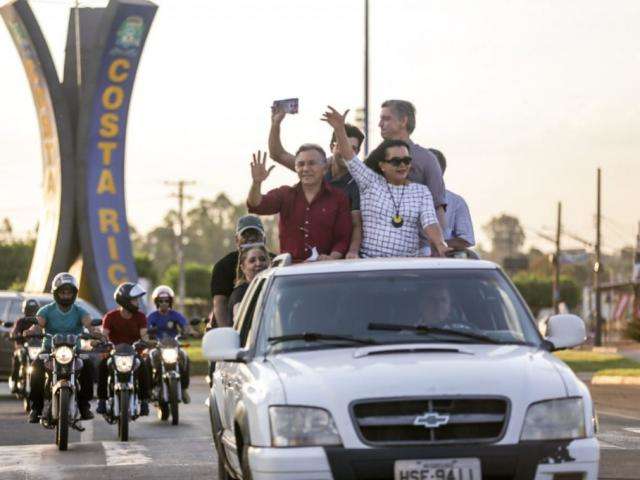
{"points": [[6, 324], [96, 322], [565, 331], [221, 344]]}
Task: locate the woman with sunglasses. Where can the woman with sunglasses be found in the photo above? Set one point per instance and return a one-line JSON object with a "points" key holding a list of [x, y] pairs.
{"points": [[251, 261], [394, 210]]}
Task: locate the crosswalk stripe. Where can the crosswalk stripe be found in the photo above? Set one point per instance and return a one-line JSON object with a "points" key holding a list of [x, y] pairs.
{"points": [[123, 453]]}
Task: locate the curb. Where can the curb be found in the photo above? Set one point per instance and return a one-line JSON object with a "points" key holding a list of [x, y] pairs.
{"points": [[615, 380]]}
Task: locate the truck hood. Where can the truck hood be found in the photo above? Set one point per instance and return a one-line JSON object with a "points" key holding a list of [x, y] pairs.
{"points": [[522, 374]]}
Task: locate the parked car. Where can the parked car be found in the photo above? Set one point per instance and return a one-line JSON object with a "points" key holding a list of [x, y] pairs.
{"points": [[396, 369], [11, 310]]}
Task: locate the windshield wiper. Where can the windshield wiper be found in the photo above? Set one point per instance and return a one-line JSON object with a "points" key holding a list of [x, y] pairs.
{"points": [[314, 336], [427, 329]]}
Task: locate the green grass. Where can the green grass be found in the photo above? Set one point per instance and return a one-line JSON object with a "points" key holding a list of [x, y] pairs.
{"points": [[619, 372], [585, 361], [199, 365]]}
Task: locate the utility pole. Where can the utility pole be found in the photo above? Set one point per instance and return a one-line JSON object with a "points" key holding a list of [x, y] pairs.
{"points": [[556, 263], [366, 77], [179, 240], [597, 268]]}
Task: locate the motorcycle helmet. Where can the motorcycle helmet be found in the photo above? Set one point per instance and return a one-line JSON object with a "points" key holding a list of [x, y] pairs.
{"points": [[163, 291], [61, 280], [30, 307], [125, 293]]}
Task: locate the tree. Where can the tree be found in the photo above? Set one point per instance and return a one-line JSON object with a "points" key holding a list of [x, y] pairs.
{"points": [[197, 279], [537, 291], [209, 234], [16, 258], [507, 236], [145, 267]]}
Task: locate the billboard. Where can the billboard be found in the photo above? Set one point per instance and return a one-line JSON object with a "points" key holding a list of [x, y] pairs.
{"points": [[104, 231]]}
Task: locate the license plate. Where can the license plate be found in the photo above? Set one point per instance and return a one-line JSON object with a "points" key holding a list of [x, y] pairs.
{"points": [[438, 469]]}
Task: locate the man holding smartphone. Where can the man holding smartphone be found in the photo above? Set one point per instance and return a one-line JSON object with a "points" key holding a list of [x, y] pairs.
{"points": [[337, 174]]}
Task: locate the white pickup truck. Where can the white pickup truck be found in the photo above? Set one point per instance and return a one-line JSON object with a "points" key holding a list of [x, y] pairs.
{"points": [[396, 369]]}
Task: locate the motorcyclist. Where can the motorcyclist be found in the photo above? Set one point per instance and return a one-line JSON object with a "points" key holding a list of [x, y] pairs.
{"points": [[66, 317], [166, 322], [125, 324], [30, 307]]}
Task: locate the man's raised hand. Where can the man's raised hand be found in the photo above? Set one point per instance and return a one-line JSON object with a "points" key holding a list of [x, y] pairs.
{"points": [[277, 114], [259, 172], [334, 117]]}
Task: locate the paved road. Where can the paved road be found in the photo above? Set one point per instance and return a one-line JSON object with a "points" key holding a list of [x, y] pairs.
{"points": [[157, 449], [160, 451]]}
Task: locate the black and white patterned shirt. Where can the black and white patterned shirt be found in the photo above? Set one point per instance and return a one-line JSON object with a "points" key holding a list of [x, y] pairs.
{"points": [[380, 237]]}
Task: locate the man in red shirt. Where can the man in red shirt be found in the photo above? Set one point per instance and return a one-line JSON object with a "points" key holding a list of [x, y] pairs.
{"points": [[315, 219], [125, 324]]}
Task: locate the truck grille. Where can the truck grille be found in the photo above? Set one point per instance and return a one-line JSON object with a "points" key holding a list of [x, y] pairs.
{"points": [[430, 420]]}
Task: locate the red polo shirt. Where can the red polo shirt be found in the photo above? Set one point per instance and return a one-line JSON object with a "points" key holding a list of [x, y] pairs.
{"points": [[325, 223], [124, 330]]}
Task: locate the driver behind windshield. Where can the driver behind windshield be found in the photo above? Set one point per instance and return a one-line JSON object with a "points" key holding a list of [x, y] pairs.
{"points": [[436, 307]]}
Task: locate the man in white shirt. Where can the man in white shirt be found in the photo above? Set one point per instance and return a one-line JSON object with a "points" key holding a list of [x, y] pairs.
{"points": [[458, 232]]}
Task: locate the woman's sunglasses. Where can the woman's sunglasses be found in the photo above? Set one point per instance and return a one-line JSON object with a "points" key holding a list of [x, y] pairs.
{"points": [[397, 161]]}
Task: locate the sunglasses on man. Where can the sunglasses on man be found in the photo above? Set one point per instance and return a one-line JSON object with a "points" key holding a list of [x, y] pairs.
{"points": [[397, 161]]}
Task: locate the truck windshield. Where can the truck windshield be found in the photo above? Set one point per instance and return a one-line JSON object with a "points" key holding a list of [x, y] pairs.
{"points": [[382, 307]]}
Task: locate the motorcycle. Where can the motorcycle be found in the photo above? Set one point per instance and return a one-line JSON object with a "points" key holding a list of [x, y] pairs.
{"points": [[28, 352], [122, 395], [167, 390], [63, 365]]}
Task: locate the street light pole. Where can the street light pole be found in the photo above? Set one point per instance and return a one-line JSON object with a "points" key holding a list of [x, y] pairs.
{"points": [[597, 268], [556, 263]]}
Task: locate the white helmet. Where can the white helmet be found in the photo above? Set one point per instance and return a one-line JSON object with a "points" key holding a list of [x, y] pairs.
{"points": [[61, 280], [163, 291]]}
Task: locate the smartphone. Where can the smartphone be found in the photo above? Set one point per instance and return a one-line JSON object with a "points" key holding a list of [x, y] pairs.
{"points": [[288, 105]]}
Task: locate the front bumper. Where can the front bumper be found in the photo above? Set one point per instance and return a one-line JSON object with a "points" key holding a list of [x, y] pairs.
{"points": [[524, 461]]}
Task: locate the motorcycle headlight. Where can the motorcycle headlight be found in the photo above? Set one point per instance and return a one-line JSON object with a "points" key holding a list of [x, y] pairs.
{"points": [[557, 419], [302, 427], [63, 354], [169, 355], [124, 363], [33, 352]]}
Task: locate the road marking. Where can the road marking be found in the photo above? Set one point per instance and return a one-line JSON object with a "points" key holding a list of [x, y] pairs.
{"points": [[632, 430], [87, 435], [609, 413], [607, 445], [123, 453], [19, 457]]}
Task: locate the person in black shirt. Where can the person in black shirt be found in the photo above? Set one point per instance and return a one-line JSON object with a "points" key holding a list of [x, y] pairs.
{"points": [[249, 233], [251, 261]]}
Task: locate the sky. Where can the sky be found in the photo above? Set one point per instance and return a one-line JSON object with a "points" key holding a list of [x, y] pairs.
{"points": [[526, 100]]}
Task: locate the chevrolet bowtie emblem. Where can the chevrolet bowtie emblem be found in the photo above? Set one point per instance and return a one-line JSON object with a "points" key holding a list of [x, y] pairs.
{"points": [[431, 420]]}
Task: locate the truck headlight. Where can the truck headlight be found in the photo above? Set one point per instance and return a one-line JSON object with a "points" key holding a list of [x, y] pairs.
{"points": [[561, 418], [63, 354], [302, 427], [169, 355], [124, 363]]}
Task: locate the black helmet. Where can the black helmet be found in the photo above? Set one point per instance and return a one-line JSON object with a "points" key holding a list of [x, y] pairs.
{"points": [[30, 307], [61, 280], [125, 293]]}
